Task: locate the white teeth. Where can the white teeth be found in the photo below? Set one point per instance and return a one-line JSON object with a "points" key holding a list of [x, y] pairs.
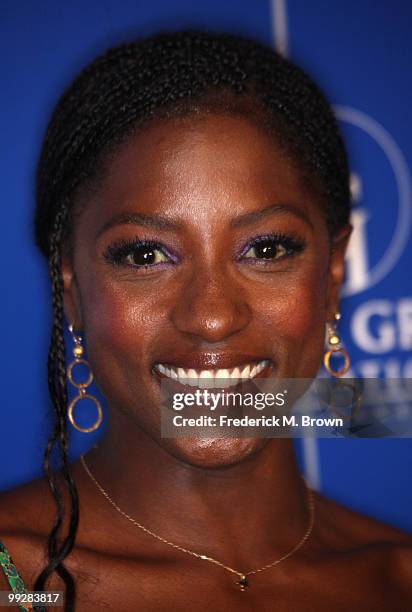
{"points": [[181, 373], [222, 374], [193, 378], [256, 370], [206, 379], [259, 367], [223, 378], [235, 375], [212, 378]]}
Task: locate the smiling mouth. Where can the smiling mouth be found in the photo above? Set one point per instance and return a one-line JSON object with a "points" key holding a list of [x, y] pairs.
{"points": [[213, 378]]}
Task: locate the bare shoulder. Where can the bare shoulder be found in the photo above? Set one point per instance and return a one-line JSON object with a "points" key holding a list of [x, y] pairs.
{"points": [[381, 548], [26, 508], [26, 513], [348, 527]]}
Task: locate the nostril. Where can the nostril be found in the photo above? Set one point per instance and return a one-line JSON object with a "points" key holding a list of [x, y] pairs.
{"points": [[211, 320]]}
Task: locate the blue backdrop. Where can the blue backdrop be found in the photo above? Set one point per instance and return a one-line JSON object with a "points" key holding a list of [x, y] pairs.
{"points": [[359, 53]]}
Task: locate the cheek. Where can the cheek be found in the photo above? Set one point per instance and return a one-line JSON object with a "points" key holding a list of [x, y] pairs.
{"points": [[296, 321], [295, 303], [120, 325], [302, 311]]}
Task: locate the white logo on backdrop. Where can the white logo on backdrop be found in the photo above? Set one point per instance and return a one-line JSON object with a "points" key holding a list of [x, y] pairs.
{"points": [[359, 274]]}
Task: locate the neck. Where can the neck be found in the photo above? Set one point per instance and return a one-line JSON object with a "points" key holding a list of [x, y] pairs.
{"points": [[247, 513]]}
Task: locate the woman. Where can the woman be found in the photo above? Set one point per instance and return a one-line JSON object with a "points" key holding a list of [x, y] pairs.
{"points": [[193, 205]]}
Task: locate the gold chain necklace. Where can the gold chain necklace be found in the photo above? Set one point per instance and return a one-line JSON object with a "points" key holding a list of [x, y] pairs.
{"points": [[243, 581]]}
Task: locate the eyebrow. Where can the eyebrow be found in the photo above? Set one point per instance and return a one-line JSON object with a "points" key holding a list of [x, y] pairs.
{"points": [[154, 221], [158, 222], [272, 209]]}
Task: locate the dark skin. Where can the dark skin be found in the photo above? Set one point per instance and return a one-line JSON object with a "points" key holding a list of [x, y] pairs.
{"points": [[241, 501]]}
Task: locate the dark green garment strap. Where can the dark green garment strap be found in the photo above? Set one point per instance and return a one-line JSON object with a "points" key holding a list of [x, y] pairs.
{"points": [[14, 579]]}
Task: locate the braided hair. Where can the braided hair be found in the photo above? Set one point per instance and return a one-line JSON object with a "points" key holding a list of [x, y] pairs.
{"points": [[159, 78]]}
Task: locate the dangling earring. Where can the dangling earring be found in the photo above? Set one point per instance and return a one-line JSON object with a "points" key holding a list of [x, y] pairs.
{"points": [[334, 342], [81, 386]]}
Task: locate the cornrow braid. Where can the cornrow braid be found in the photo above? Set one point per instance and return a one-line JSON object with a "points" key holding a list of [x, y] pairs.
{"points": [[119, 93]]}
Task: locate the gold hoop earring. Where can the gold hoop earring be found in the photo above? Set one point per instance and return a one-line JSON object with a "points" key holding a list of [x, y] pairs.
{"points": [[334, 342], [78, 351]]}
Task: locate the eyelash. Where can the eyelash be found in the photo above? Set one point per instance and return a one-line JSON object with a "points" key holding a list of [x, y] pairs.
{"points": [[292, 244], [116, 253]]}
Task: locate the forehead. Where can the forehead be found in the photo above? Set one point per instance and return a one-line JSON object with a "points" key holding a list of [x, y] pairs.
{"points": [[201, 163]]}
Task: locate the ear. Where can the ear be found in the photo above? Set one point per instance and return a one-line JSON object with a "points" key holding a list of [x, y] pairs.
{"points": [[71, 295], [336, 270]]}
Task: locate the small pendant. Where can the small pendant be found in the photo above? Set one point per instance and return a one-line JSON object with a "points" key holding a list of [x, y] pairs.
{"points": [[243, 583]]}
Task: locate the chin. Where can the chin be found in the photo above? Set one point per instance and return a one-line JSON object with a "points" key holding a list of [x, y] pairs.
{"points": [[214, 452]]}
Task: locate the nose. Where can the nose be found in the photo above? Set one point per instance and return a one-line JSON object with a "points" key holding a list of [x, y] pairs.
{"points": [[211, 306]]}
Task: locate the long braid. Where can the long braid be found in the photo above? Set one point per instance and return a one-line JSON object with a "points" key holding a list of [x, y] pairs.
{"points": [[59, 396], [162, 77]]}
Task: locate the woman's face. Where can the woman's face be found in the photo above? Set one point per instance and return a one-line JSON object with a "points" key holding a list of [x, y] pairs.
{"points": [[238, 268]]}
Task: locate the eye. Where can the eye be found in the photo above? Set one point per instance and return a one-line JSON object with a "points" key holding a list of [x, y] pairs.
{"points": [[144, 255], [273, 247], [136, 253]]}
